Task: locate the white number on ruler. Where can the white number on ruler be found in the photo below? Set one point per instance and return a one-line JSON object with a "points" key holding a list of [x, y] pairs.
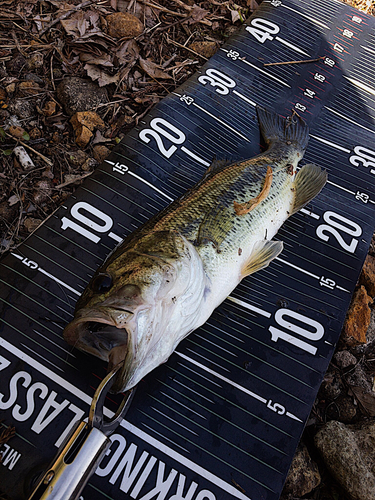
{"points": [[75, 211], [282, 318], [261, 29], [336, 223], [363, 156], [327, 282], [30, 263], [276, 407], [217, 79], [161, 127], [319, 77]]}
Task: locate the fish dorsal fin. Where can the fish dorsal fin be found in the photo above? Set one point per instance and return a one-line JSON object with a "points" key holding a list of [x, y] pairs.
{"points": [[263, 253], [217, 165], [215, 226], [309, 181]]}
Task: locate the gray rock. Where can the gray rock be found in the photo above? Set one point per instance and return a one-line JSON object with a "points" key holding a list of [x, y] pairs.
{"points": [[303, 474], [344, 359], [77, 94], [22, 108], [358, 378], [332, 386], [347, 409], [348, 452]]}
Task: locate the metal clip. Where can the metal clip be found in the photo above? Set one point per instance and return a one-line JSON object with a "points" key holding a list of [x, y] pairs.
{"points": [[80, 455]]}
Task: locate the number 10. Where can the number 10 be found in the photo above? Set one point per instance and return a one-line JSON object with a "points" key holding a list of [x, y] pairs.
{"points": [[282, 318]]}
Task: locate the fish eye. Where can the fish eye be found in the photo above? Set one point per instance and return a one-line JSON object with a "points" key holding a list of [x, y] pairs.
{"points": [[102, 282]]}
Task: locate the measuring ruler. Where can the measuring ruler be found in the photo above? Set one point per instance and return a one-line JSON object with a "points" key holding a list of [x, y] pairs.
{"points": [[223, 417]]}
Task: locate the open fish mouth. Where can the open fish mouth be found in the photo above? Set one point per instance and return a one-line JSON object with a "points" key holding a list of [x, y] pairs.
{"points": [[100, 337]]}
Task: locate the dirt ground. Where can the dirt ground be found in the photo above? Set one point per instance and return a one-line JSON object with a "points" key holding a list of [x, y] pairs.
{"points": [[136, 52]]}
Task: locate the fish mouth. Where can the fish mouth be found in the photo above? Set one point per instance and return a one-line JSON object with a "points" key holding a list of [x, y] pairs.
{"points": [[102, 338]]}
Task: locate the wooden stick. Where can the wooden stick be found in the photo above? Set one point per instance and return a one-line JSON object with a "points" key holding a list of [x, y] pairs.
{"points": [[186, 48], [44, 158], [294, 62]]}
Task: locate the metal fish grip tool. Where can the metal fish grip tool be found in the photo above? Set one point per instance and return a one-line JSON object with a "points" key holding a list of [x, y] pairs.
{"points": [[84, 449], [223, 417]]}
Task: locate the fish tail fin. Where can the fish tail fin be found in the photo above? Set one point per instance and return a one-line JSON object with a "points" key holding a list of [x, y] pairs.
{"points": [[275, 128], [308, 183]]}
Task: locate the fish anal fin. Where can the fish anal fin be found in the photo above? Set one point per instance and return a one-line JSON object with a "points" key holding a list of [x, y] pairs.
{"points": [[245, 208], [263, 253], [308, 183]]}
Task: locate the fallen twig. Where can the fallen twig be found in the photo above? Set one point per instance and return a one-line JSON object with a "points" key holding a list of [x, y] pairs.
{"points": [[294, 62], [72, 181], [186, 48], [44, 158]]}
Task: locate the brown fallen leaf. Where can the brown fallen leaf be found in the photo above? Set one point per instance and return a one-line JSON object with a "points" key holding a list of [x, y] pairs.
{"points": [[128, 52], [17, 132], [30, 224], [100, 75], [197, 14], [102, 60], [365, 399], [153, 69]]}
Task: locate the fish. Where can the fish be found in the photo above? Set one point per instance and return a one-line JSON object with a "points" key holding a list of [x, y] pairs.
{"points": [[166, 278]]}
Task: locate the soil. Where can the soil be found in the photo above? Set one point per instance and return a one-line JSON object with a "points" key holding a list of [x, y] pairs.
{"points": [[59, 58]]}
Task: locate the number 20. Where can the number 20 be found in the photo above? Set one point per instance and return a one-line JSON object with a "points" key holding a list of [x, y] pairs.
{"points": [[161, 127], [336, 223]]}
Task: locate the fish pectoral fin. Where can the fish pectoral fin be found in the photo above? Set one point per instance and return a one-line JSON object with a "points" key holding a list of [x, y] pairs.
{"points": [[263, 253], [245, 208], [215, 226], [309, 181]]}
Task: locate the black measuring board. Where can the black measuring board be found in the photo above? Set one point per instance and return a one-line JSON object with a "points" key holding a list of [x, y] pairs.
{"points": [[222, 418]]}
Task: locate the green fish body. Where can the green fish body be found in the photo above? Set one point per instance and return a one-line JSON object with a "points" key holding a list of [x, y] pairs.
{"points": [[165, 279]]}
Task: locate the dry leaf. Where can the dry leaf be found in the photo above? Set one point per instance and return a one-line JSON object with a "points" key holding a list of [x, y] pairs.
{"points": [[102, 60], [70, 26], [197, 14], [41, 21], [365, 399], [31, 224], [17, 132], [82, 24], [235, 16], [101, 76], [99, 138], [13, 200], [128, 52], [153, 69]]}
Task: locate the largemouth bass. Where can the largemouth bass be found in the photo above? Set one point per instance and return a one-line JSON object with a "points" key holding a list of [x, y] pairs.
{"points": [[167, 277]]}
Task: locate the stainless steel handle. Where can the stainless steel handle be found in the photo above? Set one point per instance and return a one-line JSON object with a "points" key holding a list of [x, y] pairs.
{"points": [[78, 458], [75, 463]]}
